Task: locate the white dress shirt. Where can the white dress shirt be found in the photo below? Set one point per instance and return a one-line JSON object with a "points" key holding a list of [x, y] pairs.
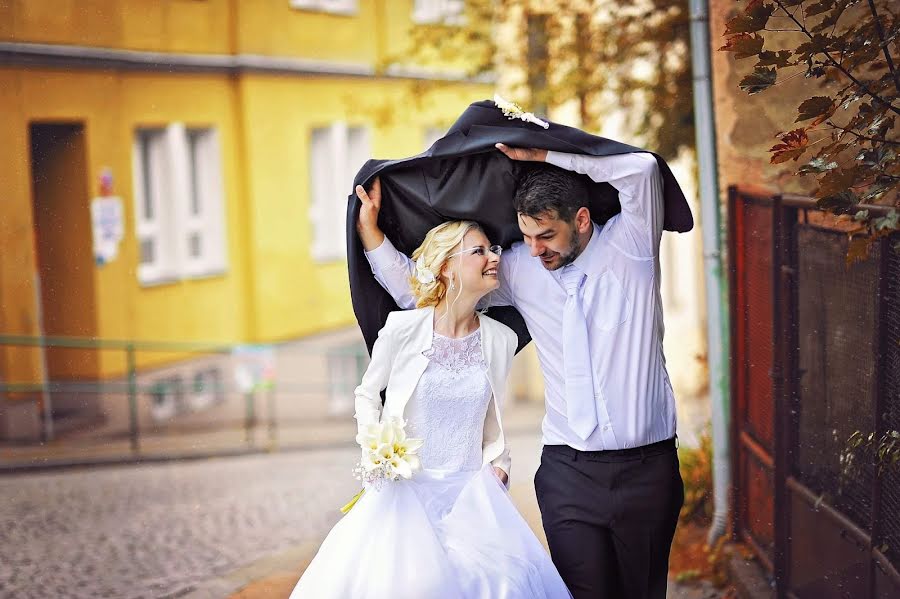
{"points": [[622, 304]]}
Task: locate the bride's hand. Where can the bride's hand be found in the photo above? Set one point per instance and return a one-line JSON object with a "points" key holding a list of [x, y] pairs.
{"points": [[503, 476], [524, 154]]}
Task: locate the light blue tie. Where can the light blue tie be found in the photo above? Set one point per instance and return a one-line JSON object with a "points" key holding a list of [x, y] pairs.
{"points": [[580, 408]]}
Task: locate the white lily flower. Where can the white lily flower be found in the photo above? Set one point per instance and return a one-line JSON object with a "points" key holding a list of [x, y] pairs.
{"points": [[400, 467], [368, 438], [372, 461]]}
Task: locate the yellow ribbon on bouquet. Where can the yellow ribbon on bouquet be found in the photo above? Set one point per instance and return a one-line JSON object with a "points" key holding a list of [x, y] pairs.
{"points": [[349, 505]]}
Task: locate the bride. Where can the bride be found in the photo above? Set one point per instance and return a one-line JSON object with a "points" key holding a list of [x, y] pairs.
{"points": [[451, 530]]}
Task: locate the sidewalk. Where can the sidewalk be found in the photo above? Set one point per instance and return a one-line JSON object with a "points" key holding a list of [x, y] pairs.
{"points": [[317, 433]]}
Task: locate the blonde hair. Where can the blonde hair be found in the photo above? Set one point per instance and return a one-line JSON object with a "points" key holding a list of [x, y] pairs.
{"points": [[438, 245]]}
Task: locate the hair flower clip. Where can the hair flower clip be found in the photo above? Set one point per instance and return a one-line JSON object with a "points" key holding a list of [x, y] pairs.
{"points": [[513, 111], [423, 275]]}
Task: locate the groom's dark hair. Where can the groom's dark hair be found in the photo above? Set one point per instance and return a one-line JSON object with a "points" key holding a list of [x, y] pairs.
{"points": [[544, 189]]}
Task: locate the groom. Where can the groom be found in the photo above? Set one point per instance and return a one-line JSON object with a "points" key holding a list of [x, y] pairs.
{"points": [[608, 486]]}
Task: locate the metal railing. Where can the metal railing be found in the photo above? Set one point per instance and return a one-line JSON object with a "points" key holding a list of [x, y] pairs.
{"points": [[332, 372]]}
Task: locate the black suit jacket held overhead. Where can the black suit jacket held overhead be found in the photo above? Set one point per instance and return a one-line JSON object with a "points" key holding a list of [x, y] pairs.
{"points": [[464, 176]]}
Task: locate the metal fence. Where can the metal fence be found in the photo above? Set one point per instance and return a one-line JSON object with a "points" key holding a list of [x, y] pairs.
{"points": [[178, 399], [816, 358]]}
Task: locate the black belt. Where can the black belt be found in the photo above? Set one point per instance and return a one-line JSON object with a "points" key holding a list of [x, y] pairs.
{"points": [[630, 453]]}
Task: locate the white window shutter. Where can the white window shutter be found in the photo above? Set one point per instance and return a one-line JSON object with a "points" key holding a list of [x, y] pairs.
{"points": [[151, 190], [203, 211], [214, 203], [179, 196]]}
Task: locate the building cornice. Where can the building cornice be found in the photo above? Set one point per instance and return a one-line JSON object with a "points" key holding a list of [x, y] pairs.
{"points": [[90, 57]]}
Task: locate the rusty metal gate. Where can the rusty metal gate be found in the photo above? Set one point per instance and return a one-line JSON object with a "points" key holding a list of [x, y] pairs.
{"points": [[815, 358]]}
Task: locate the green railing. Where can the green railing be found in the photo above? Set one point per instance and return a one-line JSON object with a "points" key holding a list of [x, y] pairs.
{"points": [[181, 352]]}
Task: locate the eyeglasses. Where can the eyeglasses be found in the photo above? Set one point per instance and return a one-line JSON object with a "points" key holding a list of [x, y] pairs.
{"points": [[479, 250]]}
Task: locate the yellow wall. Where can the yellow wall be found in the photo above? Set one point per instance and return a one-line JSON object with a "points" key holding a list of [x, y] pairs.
{"points": [[112, 106], [157, 25], [265, 27], [272, 288], [293, 294]]}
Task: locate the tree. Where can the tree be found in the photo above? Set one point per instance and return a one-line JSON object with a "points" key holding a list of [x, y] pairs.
{"points": [[848, 137], [634, 56]]}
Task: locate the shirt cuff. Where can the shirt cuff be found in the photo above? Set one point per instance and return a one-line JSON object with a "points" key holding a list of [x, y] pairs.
{"points": [[560, 159], [384, 257]]}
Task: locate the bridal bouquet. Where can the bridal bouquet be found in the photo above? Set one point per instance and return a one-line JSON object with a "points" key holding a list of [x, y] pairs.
{"points": [[387, 454]]}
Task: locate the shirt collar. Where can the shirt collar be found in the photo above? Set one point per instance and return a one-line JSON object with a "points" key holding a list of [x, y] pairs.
{"points": [[585, 260]]}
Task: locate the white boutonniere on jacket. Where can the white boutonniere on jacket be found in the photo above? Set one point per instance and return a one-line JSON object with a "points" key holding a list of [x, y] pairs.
{"points": [[387, 455], [513, 111]]}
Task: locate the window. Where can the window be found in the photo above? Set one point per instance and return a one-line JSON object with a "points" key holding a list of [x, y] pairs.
{"points": [[447, 12], [336, 154], [178, 203], [339, 7]]}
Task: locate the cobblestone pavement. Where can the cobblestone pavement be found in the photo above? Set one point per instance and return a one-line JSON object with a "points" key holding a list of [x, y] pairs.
{"points": [[158, 530], [163, 530]]}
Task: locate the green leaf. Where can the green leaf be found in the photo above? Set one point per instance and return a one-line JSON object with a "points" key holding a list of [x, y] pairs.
{"points": [[815, 107], [817, 165], [744, 45], [861, 216], [759, 80], [888, 222]]}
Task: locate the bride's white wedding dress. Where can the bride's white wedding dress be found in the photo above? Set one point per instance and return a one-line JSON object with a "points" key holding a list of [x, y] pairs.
{"points": [[449, 532]]}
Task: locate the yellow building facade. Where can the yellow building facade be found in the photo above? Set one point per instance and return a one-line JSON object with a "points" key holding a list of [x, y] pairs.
{"points": [[218, 139]]}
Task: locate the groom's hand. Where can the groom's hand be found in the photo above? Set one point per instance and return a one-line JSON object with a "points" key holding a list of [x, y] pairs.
{"points": [[367, 225], [524, 154]]}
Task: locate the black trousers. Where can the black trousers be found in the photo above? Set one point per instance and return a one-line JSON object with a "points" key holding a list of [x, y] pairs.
{"points": [[610, 517]]}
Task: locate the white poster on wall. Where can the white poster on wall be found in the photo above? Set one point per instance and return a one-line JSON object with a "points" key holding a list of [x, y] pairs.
{"points": [[108, 226]]}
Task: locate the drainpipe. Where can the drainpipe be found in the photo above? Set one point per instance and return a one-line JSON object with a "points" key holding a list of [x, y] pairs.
{"points": [[718, 340]]}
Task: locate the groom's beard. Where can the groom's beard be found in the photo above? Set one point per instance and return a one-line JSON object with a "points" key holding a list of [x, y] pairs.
{"points": [[567, 257]]}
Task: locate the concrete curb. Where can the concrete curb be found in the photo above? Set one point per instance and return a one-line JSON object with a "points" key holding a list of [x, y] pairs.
{"points": [[293, 560]]}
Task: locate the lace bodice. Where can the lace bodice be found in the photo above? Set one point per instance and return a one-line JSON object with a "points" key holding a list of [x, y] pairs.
{"points": [[448, 406]]}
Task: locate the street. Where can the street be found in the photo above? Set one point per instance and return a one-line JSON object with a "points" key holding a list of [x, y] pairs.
{"points": [[158, 530], [166, 530]]}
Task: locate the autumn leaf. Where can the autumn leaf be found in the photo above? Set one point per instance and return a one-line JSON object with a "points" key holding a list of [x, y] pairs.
{"points": [[858, 249], [752, 20], [793, 144], [839, 202], [759, 80], [818, 43], [781, 59], [819, 7], [743, 45], [818, 106], [836, 181]]}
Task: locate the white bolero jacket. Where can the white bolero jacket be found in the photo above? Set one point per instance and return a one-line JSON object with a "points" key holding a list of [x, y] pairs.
{"points": [[398, 363]]}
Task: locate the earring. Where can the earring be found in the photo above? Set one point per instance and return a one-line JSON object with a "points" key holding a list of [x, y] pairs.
{"points": [[452, 283]]}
